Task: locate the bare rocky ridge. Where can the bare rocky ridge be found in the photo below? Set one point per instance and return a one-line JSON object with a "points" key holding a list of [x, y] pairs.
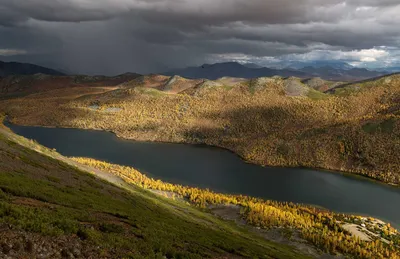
{"points": [[177, 84], [294, 87], [320, 84]]}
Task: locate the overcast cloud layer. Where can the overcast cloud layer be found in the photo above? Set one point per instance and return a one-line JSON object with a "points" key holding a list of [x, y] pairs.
{"points": [[115, 36]]}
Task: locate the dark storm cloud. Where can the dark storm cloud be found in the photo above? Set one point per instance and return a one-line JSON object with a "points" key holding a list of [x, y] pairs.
{"points": [[59, 10], [111, 36], [193, 11]]}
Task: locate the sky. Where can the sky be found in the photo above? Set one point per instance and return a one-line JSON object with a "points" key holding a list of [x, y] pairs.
{"points": [[148, 36]]}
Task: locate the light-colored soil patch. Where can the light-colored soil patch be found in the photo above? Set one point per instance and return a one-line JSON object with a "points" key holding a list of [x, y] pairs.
{"points": [[94, 107], [355, 230], [363, 233], [113, 109]]}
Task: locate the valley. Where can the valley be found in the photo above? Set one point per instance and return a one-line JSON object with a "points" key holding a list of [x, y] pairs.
{"points": [[169, 129], [283, 124]]}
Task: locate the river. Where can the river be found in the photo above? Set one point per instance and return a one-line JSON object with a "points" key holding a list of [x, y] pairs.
{"points": [[222, 171]]}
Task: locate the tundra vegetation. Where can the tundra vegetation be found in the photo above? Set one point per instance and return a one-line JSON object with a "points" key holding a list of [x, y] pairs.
{"points": [[268, 121]]}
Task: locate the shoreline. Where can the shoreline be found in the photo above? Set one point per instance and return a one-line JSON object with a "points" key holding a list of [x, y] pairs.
{"points": [[161, 191], [309, 205], [204, 145]]}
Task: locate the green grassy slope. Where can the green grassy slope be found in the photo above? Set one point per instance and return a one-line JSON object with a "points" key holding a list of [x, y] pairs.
{"points": [[46, 197]]}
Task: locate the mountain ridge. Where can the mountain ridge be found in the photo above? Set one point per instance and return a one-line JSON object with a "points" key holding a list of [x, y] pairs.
{"points": [[317, 64], [231, 69], [17, 68], [235, 69]]}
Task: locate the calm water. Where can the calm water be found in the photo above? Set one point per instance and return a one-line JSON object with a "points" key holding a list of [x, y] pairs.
{"points": [[223, 171]]}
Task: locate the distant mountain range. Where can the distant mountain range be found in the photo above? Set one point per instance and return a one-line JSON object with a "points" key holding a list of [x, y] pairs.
{"points": [[232, 69], [328, 70], [336, 64], [330, 73], [389, 69], [15, 68], [337, 71]]}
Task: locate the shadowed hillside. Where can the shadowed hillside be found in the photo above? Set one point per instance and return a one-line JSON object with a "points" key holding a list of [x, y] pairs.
{"points": [[20, 85]]}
